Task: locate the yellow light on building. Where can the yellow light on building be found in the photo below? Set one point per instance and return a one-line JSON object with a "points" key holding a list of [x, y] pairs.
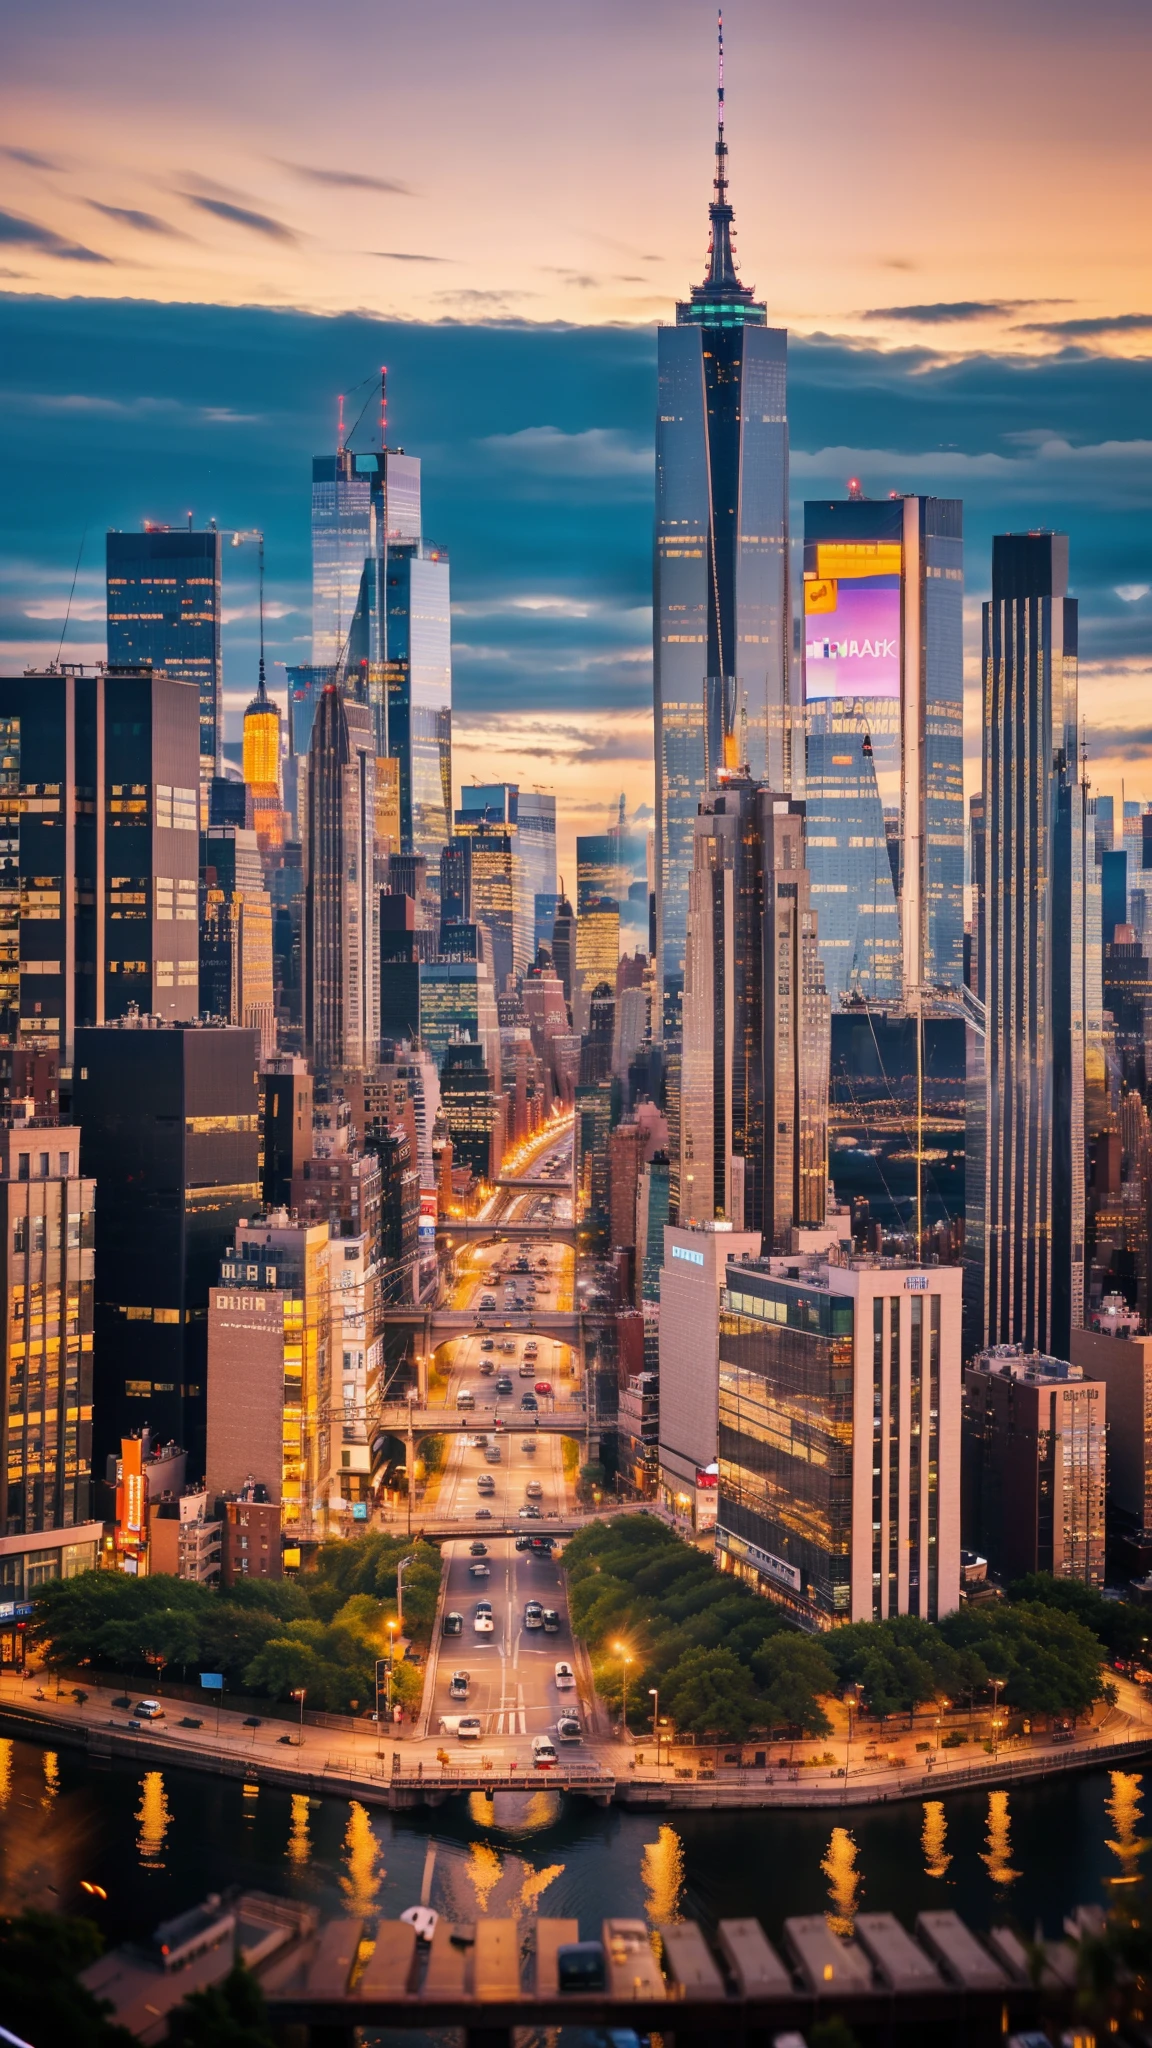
{"points": [[262, 745]]}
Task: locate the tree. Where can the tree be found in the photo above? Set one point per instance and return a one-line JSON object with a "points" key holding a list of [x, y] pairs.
{"points": [[1122, 1627], [1050, 1663], [710, 1693], [40, 1997], [793, 1671], [231, 2014]]}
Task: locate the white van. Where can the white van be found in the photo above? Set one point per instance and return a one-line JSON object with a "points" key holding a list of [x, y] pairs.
{"points": [[465, 1727], [543, 1752]]}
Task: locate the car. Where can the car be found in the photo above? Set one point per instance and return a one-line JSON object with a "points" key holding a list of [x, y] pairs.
{"points": [[465, 1727], [531, 1513], [543, 1386], [458, 1685], [529, 1402], [477, 1550], [528, 1444], [534, 1490], [479, 1570], [543, 1752], [483, 1624], [465, 1398], [503, 1384], [522, 1542], [479, 1443], [492, 1454], [531, 1349], [483, 1514], [453, 1624], [528, 1371], [488, 1343], [533, 1615], [149, 1710], [487, 1301], [568, 1728], [565, 1678], [551, 1621], [486, 1368]]}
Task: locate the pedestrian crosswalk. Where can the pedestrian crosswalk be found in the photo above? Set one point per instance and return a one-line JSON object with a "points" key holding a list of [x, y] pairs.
{"points": [[511, 1718]]}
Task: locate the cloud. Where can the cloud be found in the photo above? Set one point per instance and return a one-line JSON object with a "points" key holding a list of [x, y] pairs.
{"points": [[547, 451], [944, 311], [351, 181], [243, 217], [406, 256], [19, 233], [148, 223], [1102, 324], [86, 608], [29, 157], [1131, 593]]}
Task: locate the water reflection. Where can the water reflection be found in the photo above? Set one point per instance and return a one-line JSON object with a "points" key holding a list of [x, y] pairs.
{"points": [[997, 1858], [361, 1861], [482, 1809], [1123, 1810], [662, 1875], [485, 1869], [536, 1882], [933, 1837], [299, 1848], [845, 1882], [51, 1777], [5, 1771], [154, 1820]]}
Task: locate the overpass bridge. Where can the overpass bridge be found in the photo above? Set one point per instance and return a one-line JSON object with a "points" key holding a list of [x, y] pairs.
{"points": [[473, 1227], [468, 1322], [398, 1416]]}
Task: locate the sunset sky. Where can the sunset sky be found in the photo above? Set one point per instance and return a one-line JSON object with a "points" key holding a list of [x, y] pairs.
{"points": [[213, 220]]}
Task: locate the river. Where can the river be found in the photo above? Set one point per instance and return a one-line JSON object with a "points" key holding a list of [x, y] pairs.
{"points": [[157, 1841]]}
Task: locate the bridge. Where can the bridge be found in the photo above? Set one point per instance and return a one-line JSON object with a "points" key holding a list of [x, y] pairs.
{"points": [[472, 1227], [458, 1322], [397, 1415]]}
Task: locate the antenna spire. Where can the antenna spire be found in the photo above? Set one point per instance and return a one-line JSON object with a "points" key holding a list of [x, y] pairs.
{"points": [[340, 427], [721, 146], [261, 686], [383, 408]]}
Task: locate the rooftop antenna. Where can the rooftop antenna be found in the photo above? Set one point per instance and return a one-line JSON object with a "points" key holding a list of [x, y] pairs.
{"points": [[261, 688], [340, 427], [383, 407], [721, 146], [71, 595]]}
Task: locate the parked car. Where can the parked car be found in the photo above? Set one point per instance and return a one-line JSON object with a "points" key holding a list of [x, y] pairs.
{"points": [[533, 1615], [565, 1678], [543, 1752], [453, 1624], [149, 1710]]}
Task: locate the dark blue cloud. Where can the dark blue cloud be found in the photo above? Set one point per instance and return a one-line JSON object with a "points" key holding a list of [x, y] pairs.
{"points": [[536, 444]]}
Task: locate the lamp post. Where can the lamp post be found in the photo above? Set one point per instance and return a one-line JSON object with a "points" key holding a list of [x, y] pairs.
{"points": [[379, 1662], [299, 1694], [400, 1571], [996, 1684], [852, 1702], [940, 1712], [625, 1661], [654, 1695]]}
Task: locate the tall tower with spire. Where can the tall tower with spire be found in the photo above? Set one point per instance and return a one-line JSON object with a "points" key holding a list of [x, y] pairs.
{"points": [[721, 617]]}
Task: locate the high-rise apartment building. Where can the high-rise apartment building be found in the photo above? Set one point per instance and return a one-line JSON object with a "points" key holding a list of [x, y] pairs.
{"points": [[1033, 1463], [170, 1132], [721, 627], [342, 905], [99, 823], [1027, 1246], [839, 1435], [48, 1521], [884, 686], [164, 612]]}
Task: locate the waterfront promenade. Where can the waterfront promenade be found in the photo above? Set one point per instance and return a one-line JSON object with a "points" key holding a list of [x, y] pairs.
{"points": [[388, 1768]]}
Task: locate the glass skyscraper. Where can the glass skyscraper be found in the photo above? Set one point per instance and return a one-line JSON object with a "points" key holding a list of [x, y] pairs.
{"points": [[419, 694], [721, 617], [164, 608], [884, 683], [360, 502]]}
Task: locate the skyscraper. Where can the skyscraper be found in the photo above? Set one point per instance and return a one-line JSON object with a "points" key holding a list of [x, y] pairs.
{"points": [[360, 503], [1033, 914], [883, 686], [236, 968], [342, 905], [261, 761], [419, 693], [164, 608], [721, 618]]}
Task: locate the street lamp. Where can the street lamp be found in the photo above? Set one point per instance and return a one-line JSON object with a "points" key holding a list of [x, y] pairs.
{"points": [[400, 1571], [625, 1661], [852, 1702], [996, 1684], [654, 1696], [942, 1708], [299, 1694]]}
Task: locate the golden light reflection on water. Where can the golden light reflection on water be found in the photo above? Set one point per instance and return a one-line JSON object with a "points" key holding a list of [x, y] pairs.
{"points": [[662, 1874], [361, 1862], [541, 1811], [154, 1819], [51, 1777], [299, 1848], [933, 1837], [5, 1771], [997, 1859], [482, 1809], [1123, 1810], [536, 1882], [485, 1869], [845, 1882]]}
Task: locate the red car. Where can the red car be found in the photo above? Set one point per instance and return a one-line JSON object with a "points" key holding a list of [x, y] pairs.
{"points": [[543, 1386]]}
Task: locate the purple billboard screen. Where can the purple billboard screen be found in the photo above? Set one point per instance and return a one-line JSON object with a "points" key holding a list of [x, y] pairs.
{"points": [[852, 638]]}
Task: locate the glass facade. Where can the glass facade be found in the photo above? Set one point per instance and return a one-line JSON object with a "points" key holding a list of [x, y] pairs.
{"points": [[419, 688], [360, 504], [164, 608], [883, 680]]}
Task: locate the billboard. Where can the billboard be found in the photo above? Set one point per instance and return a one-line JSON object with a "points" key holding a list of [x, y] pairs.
{"points": [[427, 1224], [851, 636]]}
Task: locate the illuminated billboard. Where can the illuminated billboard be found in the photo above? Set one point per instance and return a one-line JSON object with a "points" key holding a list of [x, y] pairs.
{"points": [[852, 636]]}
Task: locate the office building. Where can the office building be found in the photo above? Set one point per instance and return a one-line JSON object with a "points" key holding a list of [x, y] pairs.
{"points": [[839, 1435], [170, 1132], [1117, 1354], [652, 1215], [883, 686], [270, 1368], [895, 1078], [721, 625], [342, 904], [472, 1106], [287, 886], [164, 613], [596, 954], [458, 999], [564, 946], [529, 817], [753, 1089], [692, 1277], [307, 682], [493, 886], [99, 814], [261, 763], [236, 964], [1028, 1248], [361, 502], [419, 693], [285, 1124], [1033, 1462], [50, 1525]]}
